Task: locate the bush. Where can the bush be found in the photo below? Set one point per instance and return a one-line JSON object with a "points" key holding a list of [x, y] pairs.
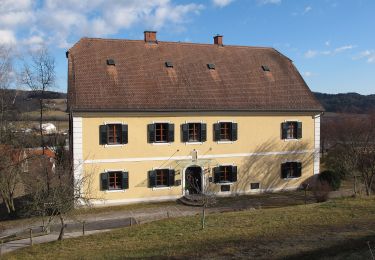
{"points": [[333, 178]]}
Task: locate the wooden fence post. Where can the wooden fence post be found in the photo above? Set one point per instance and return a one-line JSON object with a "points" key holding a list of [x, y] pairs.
{"points": [[83, 228], [31, 236]]}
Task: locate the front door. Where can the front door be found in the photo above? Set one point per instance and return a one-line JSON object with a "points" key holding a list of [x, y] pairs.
{"points": [[193, 180]]}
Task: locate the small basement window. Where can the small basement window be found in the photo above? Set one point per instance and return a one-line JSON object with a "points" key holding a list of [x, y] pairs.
{"points": [[169, 64], [225, 188], [254, 186], [111, 62], [265, 68], [211, 66]]}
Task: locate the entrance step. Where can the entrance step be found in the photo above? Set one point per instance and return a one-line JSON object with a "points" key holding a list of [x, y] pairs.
{"points": [[192, 200]]}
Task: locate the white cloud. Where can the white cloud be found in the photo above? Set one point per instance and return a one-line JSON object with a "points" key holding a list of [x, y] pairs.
{"points": [[327, 43], [264, 2], [308, 74], [221, 3], [65, 21], [343, 48], [311, 54], [307, 9], [369, 55], [7, 37]]}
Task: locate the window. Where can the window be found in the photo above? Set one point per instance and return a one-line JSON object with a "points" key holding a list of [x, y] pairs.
{"points": [[254, 186], [291, 170], [161, 178], [291, 130], [224, 174], [113, 134], [225, 131], [225, 188], [115, 180], [194, 132], [160, 133]]}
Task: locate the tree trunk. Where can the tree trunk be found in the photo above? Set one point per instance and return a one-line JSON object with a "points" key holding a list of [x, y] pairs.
{"points": [[41, 123], [203, 216], [62, 229]]}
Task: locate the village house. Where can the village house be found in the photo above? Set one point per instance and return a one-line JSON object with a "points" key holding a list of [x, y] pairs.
{"points": [[153, 120]]}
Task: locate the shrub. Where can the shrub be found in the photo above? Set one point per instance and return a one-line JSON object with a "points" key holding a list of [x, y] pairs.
{"points": [[333, 178]]}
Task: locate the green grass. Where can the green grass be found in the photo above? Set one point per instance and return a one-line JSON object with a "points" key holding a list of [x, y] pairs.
{"points": [[337, 228]]}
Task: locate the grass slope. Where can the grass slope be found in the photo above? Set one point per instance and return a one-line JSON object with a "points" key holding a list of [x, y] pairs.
{"points": [[337, 228]]}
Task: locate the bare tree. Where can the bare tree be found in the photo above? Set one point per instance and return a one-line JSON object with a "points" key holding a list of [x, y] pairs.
{"points": [[7, 96], [64, 194], [204, 195], [39, 75], [11, 162], [354, 151]]}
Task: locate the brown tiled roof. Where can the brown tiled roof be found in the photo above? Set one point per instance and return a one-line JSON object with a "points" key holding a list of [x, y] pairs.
{"points": [[140, 81]]}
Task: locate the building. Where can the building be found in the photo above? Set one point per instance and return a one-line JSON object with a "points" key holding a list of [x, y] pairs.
{"points": [[153, 120]]}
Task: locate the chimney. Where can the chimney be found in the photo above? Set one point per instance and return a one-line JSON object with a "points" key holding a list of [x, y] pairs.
{"points": [[150, 36], [218, 40]]}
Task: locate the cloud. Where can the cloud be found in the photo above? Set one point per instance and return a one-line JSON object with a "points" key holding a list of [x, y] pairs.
{"points": [[313, 53], [343, 48], [327, 43], [308, 74], [221, 3], [7, 37], [264, 2], [63, 22], [307, 9], [369, 55]]}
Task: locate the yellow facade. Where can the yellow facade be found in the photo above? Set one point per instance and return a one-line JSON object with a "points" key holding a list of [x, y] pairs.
{"points": [[258, 152]]}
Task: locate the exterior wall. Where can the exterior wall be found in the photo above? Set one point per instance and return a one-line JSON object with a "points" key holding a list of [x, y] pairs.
{"points": [[258, 152]]}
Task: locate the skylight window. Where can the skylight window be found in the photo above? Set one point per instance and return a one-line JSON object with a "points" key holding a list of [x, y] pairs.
{"points": [[111, 62], [169, 64], [211, 66], [265, 68]]}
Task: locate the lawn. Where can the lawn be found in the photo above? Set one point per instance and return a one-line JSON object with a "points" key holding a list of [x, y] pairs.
{"points": [[338, 228]]}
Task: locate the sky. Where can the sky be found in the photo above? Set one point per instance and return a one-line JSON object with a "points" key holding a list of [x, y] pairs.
{"points": [[331, 42]]}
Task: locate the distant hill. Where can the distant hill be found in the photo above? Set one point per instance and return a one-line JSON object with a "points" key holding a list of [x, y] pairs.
{"points": [[27, 101], [353, 103]]}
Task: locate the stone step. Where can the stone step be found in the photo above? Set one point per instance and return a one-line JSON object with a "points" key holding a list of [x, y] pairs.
{"points": [[188, 201]]}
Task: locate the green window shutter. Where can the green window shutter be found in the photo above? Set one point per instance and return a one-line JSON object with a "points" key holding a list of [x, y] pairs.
{"points": [[103, 134], [185, 132], [124, 134], [152, 178], [284, 130], [203, 132], [125, 180], [217, 132], [284, 170], [234, 132], [234, 174], [170, 133], [299, 130], [151, 133], [104, 181], [171, 178], [216, 171], [298, 169]]}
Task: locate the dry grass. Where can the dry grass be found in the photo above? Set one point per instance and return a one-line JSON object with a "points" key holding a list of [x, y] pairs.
{"points": [[336, 228]]}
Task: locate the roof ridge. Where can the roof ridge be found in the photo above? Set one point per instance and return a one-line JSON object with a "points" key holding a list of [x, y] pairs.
{"points": [[173, 42]]}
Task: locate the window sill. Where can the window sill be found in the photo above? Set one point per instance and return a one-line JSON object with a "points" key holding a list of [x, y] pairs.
{"points": [[189, 143], [161, 188], [292, 140], [225, 142], [113, 145], [291, 178], [161, 144], [224, 183], [114, 191]]}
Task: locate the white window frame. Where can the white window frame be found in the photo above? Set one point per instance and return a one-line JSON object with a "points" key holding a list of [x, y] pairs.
{"points": [[291, 161]]}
